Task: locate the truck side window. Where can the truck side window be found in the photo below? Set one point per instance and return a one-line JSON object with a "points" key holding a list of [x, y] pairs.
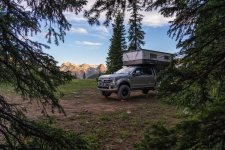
{"points": [[147, 71], [139, 70]]}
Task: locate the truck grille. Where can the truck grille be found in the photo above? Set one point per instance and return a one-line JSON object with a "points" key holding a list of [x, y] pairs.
{"points": [[107, 81], [104, 83]]}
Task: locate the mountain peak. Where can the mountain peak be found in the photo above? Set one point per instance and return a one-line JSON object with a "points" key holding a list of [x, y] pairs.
{"points": [[79, 70]]}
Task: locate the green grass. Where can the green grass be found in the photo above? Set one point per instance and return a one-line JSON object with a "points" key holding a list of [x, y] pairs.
{"points": [[6, 88], [65, 91], [77, 84], [73, 87], [117, 127]]}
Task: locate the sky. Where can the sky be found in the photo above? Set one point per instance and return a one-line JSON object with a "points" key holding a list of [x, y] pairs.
{"points": [[89, 44]]}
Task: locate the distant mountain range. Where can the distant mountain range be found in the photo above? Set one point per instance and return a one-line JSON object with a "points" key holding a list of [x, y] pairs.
{"points": [[90, 71]]}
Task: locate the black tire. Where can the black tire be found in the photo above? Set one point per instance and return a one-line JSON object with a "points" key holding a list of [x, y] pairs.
{"points": [[123, 92], [105, 93], [145, 91]]}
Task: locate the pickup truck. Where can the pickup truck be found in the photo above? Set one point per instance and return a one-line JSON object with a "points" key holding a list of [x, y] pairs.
{"points": [[127, 79]]}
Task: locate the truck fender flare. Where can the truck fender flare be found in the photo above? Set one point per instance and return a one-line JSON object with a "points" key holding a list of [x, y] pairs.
{"points": [[123, 82]]}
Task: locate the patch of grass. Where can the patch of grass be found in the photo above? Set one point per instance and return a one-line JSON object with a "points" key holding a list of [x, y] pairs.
{"points": [[94, 144], [124, 116], [6, 88], [64, 139], [125, 134], [121, 128], [49, 120], [76, 85], [102, 133], [68, 91], [105, 118], [71, 89]]}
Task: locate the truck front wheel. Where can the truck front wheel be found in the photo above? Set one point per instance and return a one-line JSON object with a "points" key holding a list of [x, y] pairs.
{"points": [[105, 93], [123, 92]]}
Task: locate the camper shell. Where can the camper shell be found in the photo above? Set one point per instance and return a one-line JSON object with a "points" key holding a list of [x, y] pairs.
{"points": [[147, 57]]}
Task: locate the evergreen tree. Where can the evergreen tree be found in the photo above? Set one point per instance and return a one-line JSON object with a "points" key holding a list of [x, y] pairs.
{"points": [[112, 7], [84, 76], [136, 35], [33, 73], [118, 45], [198, 83], [75, 76]]}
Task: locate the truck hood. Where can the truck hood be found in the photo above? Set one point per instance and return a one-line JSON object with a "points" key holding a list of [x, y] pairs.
{"points": [[112, 76]]}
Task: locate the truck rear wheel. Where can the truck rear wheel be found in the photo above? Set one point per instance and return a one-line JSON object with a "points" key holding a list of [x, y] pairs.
{"points": [[105, 93], [123, 92], [145, 91]]}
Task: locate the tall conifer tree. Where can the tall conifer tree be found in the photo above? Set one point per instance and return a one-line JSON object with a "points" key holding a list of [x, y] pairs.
{"points": [[84, 75], [117, 46], [136, 34], [32, 73]]}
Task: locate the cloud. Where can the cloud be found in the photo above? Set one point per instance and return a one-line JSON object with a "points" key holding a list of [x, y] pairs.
{"points": [[71, 16], [154, 19], [78, 30], [151, 18], [102, 29], [88, 43]]}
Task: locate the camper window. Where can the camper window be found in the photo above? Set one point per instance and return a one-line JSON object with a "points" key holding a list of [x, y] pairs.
{"points": [[166, 57], [153, 56]]}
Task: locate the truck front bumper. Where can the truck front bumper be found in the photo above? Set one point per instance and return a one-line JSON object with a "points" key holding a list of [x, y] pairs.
{"points": [[110, 87]]}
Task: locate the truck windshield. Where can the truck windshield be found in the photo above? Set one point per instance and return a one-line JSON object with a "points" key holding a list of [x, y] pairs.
{"points": [[125, 70]]}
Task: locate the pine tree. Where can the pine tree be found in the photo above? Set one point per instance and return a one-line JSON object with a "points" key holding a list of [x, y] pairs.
{"points": [[117, 46], [31, 72], [84, 76], [75, 76], [136, 35], [198, 83]]}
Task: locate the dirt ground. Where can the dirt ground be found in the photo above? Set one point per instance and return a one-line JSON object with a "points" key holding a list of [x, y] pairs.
{"points": [[115, 124]]}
